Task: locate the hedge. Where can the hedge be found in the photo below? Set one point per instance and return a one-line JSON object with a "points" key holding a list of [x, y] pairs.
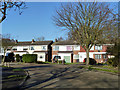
{"points": [[29, 58]]}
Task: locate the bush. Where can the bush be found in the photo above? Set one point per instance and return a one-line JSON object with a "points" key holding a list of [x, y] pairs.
{"points": [[91, 61], [113, 61], [10, 57], [29, 58], [17, 57]]}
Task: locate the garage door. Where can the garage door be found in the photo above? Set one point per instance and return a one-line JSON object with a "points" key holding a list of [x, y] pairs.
{"points": [[67, 59]]}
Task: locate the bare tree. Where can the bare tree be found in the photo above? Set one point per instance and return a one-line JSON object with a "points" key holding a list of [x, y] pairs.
{"points": [[7, 42], [42, 38], [8, 4], [87, 22]]}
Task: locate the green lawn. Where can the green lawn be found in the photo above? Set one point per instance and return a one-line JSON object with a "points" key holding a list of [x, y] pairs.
{"points": [[100, 68]]}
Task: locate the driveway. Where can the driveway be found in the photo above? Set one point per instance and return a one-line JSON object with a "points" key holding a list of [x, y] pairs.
{"points": [[65, 76]]}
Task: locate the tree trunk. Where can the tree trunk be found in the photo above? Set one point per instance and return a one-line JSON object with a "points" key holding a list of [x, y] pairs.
{"points": [[87, 56], [3, 60]]}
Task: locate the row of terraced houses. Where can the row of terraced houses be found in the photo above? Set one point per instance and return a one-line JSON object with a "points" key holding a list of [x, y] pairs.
{"points": [[70, 51]]}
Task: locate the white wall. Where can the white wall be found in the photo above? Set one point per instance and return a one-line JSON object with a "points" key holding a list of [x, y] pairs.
{"points": [[64, 47], [92, 48], [40, 54], [20, 48], [20, 53], [36, 47], [64, 54]]}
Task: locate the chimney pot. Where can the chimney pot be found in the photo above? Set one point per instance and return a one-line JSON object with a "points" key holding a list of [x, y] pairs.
{"points": [[16, 41], [56, 40], [33, 40]]}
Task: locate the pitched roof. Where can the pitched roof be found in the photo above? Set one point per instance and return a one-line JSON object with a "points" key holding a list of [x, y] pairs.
{"points": [[34, 43], [66, 42]]}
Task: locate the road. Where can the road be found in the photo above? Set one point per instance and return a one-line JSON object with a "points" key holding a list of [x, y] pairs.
{"points": [[65, 76]]}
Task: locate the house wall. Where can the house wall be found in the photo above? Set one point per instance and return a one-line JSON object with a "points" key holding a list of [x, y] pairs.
{"points": [[75, 49], [41, 56], [20, 51], [36, 47]]}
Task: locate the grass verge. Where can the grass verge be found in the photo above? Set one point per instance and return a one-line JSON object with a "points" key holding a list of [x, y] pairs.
{"points": [[16, 76], [90, 67], [17, 69]]}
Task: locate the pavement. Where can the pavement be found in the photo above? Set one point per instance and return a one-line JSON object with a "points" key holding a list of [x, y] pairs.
{"points": [[65, 76]]}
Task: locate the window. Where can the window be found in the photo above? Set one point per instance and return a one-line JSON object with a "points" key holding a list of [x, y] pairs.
{"points": [[32, 48], [69, 48], [104, 56], [8, 49], [98, 56], [41, 56], [25, 49], [56, 48], [77, 47], [15, 49], [44, 48], [98, 47], [76, 56]]}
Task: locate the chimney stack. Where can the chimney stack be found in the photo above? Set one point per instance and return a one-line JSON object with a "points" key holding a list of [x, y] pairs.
{"points": [[56, 40], [16, 41], [33, 40]]}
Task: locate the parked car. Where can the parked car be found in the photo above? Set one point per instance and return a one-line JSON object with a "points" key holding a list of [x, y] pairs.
{"points": [[91, 61], [56, 58]]}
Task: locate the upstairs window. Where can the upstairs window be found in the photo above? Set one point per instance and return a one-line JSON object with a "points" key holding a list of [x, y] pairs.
{"points": [[44, 48], [77, 47], [56, 48], [69, 48], [24, 49], [98, 47], [32, 48]]}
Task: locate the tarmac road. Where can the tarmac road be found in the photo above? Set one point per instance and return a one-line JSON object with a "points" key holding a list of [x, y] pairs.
{"points": [[65, 76]]}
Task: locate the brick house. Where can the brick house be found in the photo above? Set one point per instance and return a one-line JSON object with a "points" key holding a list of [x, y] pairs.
{"points": [[73, 52], [41, 48], [97, 52], [67, 50]]}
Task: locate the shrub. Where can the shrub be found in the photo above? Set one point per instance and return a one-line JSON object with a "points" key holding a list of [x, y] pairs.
{"points": [[29, 58], [10, 57], [113, 61], [17, 57], [91, 61]]}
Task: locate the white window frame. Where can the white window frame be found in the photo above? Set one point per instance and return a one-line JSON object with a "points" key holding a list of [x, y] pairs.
{"points": [[31, 48], [54, 48], [98, 56], [98, 47], [67, 48]]}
